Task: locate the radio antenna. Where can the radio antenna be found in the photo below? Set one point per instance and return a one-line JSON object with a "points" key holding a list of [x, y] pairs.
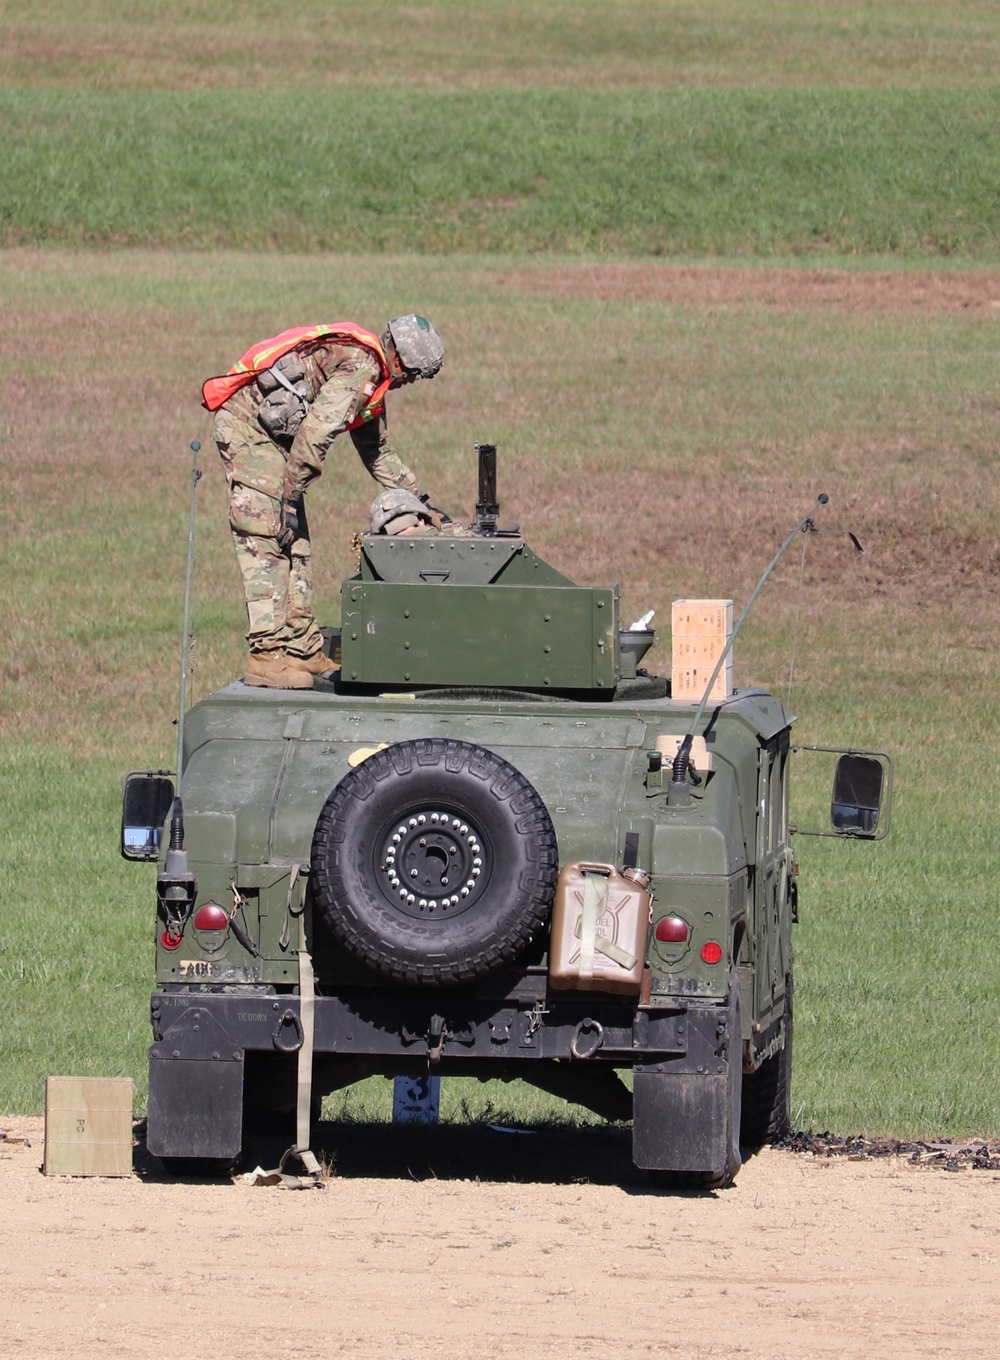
{"points": [[175, 885], [185, 639], [680, 788]]}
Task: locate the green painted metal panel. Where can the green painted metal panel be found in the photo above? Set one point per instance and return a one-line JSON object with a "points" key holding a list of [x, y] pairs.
{"points": [[455, 561], [529, 637]]}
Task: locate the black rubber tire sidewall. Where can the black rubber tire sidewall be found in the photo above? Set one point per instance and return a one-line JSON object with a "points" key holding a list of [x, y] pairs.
{"points": [[511, 824], [767, 1092]]}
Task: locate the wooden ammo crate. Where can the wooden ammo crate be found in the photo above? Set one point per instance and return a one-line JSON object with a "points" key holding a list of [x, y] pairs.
{"points": [[88, 1126], [699, 632]]}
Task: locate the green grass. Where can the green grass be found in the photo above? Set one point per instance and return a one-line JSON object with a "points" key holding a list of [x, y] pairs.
{"points": [[463, 1100], [728, 172], [668, 445], [478, 44], [74, 934], [896, 968]]}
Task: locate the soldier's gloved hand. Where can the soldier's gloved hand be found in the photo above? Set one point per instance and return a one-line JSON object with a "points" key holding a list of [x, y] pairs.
{"points": [[438, 517], [289, 530], [443, 522]]}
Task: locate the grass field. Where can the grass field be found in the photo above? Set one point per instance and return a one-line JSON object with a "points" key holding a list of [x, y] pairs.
{"points": [[509, 44], [662, 421], [657, 128], [739, 172]]}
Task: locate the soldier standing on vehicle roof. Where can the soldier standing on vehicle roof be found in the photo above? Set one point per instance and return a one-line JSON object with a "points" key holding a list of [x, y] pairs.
{"points": [[278, 410]]}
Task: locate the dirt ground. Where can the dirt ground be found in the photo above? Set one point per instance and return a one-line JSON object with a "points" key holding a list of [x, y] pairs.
{"points": [[459, 1243], [910, 291]]}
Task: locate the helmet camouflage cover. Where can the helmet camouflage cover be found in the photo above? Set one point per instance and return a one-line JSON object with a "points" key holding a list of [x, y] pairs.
{"points": [[390, 505], [417, 343]]}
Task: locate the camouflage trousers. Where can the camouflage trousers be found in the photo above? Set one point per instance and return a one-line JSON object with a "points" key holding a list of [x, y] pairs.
{"points": [[277, 584]]}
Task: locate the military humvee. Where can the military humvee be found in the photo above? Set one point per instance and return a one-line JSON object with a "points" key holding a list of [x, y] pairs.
{"points": [[493, 845]]}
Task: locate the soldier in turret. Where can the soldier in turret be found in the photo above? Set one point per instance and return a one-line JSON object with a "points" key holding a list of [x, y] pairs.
{"points": [[277, 411]]}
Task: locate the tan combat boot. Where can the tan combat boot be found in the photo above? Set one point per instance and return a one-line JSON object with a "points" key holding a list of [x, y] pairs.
{"points": [[317, 664], [272, 670]]}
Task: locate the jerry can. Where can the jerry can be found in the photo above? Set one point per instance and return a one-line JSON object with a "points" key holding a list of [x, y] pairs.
{"points": [[600, 929]]}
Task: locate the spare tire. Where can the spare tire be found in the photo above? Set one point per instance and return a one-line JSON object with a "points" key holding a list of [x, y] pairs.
{"points": [[434, 862]]}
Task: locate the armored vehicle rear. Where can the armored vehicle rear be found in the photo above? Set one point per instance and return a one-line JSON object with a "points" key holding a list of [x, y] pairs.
{"points": [[493, 845]]}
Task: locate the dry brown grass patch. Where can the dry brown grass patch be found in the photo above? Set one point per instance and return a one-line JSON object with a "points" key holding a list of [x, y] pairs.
{"points": [[923, 292]]}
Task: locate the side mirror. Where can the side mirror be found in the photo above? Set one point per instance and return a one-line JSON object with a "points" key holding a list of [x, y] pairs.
{"points": [[861, 804], [857, 796], [146, 802]]}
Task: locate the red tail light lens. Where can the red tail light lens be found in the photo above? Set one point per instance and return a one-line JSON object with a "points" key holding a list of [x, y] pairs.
{"points": [[711, 952], [211, 917], [671, 930]]}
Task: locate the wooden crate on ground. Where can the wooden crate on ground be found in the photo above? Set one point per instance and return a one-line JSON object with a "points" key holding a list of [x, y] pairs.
{"points": [[88, 1126], [699, 632]]}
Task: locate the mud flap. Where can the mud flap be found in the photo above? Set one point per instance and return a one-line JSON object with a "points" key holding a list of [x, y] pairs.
{"points": [[195, 1108], [680, 1121]]}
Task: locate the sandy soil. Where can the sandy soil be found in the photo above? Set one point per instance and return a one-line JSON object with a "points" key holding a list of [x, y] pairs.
{"points": [[458, 1244]]}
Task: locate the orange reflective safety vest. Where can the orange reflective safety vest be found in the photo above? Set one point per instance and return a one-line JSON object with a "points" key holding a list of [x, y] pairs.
{"points": [[262, 355]]}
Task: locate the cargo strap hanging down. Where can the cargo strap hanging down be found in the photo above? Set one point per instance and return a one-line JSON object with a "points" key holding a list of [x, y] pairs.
{"points": [[303, 1108]]}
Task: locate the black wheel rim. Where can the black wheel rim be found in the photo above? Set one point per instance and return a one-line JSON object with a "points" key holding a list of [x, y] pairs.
{"points": [[432, 863]]}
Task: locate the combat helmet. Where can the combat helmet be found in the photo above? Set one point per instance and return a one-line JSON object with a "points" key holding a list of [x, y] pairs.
{"points": [[394, 504], [417, 343]]}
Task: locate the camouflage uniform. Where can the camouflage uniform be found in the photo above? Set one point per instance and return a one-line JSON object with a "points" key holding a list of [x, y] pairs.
{"points": [[261, 471]]}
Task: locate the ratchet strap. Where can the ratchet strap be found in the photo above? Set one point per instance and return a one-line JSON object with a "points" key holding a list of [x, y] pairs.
{"points": [[292, 907], [303, 1106]]}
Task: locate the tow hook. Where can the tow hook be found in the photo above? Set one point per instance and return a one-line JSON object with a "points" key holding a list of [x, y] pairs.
{"points": [[288, 1036], [587, 1038]]}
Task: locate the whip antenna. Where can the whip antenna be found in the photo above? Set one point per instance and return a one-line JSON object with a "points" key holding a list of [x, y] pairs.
{"points": [[795, 631], [185, 639], [175, 884], [680, 789]]}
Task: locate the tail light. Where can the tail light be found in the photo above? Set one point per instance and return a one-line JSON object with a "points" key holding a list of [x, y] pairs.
{"points": [[211, 917]]}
